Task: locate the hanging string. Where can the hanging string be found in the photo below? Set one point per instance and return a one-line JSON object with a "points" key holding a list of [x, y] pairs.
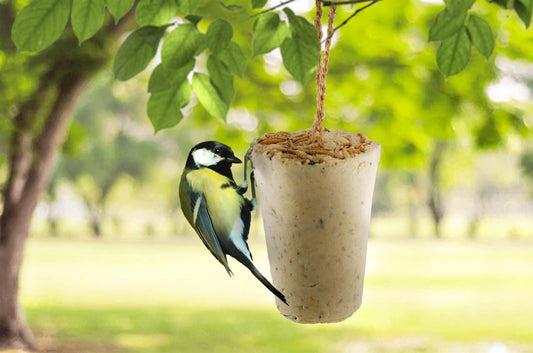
{"points": [[311, 145], [323, 60]]}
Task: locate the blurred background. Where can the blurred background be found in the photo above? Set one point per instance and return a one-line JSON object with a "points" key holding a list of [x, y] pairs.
{"points": [[112, 265]]}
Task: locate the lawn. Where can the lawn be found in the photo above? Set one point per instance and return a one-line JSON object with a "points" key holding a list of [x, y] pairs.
{"points": [[88, 296]]}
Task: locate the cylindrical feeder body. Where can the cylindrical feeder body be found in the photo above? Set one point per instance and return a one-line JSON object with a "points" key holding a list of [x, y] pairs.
{"points": [[316, 219]]}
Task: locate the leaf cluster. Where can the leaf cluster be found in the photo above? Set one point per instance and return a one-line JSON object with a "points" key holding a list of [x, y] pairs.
{"points": [[180, 72], [169, 84], [199, 54], [458, 30]]}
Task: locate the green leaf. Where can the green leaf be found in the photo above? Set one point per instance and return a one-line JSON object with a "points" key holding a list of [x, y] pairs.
{"points": [[459, 6], [268, 33], [170, 91], [302, 29], [194, 19], [208, 95], [87, 17], [480, 35], [159, 79], [155, 12], [39, 24], [118, 8], [300, 51], [257, 4], [137, 51], [506, 4], [181, 46], [234, 59], [219, 35], [446, 24], [524, 9], [162, 78], [454, 53], [221, 78], [188, 6], [231, 7], [183, 96], [202, 45], [299, 59], [163, 109]]}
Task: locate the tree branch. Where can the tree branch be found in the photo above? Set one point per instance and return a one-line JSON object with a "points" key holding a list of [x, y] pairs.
{"points": [[20, 154], [51, 138], [351, 16], [70, 84], [40, 149], [348, 2], [6, 23], [272, 8]]}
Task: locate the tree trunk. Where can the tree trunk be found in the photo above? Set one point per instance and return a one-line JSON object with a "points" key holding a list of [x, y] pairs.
{"points": [[435, 200], [29, 176], [39, 131], [413, 219], [412, 203], [14, 333], [53, 226], [93, 217], [95, 224]]}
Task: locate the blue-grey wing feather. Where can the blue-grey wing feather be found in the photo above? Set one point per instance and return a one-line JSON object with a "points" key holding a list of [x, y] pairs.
{"points": [[205, 230]]}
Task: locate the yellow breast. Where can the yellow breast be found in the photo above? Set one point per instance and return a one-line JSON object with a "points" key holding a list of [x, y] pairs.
{"points": [[223, 203]]}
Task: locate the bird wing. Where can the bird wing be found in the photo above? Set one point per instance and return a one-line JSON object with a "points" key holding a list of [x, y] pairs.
{"points": [[205, 229]]}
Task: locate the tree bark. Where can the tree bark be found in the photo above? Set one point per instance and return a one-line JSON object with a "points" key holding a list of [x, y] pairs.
{"points": [[29, 176], [435, 200], [14, 333]]}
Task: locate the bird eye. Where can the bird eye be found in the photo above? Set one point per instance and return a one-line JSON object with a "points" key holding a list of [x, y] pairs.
{"points": [[218, 150]]}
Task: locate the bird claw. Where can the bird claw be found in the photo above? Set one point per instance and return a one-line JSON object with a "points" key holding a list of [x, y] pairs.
{"points": [[244, 186]]}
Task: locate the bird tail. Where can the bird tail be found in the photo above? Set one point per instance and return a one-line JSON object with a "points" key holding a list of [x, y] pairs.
{"points": [[255, 271]]}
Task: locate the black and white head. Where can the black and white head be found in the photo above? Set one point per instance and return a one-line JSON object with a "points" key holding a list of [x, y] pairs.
{"points": [[213, 155]]}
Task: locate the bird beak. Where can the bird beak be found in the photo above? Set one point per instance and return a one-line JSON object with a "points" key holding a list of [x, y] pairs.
{"points": [[234, 159]]}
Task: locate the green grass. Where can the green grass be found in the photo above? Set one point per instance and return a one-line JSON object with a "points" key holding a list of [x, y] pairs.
{"points": [[171, 296], [396, 226]]}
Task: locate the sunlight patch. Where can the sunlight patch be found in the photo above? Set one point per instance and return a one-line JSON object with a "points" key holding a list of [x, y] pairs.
{"points": [[143, 341]]}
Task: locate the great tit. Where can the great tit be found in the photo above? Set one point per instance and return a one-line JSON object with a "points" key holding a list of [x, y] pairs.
{"points": [[215, 206]]}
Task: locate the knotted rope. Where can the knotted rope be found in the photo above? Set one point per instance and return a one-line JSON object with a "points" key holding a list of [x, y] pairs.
{"points": [[323, 60], [317, 143]]}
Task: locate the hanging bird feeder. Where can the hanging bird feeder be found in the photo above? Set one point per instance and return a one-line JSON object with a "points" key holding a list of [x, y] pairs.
{"points": [[315, 189]]}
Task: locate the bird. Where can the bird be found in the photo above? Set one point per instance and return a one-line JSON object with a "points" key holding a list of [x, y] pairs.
{"points": [[215, 207]]}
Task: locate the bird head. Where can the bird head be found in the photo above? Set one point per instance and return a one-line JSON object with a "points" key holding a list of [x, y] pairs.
{"points": [[211, 154]]}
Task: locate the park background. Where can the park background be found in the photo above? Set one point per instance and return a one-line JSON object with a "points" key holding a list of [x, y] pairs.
{"points": [[112, 266]]}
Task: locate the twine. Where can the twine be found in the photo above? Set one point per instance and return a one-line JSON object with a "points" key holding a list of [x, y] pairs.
{"points": [[316, 144], [323, 60]]}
